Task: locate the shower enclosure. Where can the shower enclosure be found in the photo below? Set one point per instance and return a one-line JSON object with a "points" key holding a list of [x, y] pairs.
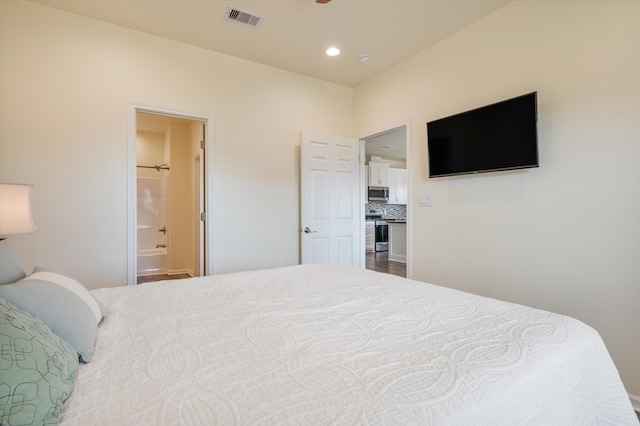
{"points": [[152, 228]]}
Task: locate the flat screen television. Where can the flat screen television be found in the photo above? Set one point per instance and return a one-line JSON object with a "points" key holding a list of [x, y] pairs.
{"points": [[500, 136]]}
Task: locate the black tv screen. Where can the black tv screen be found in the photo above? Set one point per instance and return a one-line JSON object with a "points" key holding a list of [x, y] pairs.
{"points": [[500, 136]]}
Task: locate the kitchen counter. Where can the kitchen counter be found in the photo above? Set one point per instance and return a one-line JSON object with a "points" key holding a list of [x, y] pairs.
{"points": [[397, 240]]}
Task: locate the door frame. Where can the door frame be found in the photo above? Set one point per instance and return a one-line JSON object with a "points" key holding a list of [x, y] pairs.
{"points": [[132, 191], [363, 138]]}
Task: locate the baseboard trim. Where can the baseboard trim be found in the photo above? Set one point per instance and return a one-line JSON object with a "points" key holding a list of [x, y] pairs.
{"points": [[180, 272], [635, 402]]}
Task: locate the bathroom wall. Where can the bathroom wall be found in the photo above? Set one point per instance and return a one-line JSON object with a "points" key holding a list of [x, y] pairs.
{"points": [[181, 215]]}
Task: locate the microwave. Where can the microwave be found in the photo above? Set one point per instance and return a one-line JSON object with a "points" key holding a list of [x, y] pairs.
{"points": [[378, 193]]}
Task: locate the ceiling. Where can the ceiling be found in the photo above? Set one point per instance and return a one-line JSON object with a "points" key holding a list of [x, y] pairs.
{"points": [[294, 34], [389, 145]]}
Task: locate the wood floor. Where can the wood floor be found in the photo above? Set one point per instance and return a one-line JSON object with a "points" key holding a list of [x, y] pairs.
{"points": [[150, 278], [379, 261]]}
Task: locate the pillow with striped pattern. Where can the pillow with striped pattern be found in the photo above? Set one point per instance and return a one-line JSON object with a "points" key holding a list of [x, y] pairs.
{"points": [[62, 303]]}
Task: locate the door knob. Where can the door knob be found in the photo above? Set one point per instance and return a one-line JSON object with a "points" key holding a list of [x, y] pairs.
{"points": [[308, 231]]}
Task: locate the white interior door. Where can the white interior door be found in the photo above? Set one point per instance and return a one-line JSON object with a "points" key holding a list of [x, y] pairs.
{"points": [[330, 199]]}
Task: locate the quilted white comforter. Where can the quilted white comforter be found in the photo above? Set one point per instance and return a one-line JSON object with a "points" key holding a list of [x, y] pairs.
{"points": [[331, 344]]}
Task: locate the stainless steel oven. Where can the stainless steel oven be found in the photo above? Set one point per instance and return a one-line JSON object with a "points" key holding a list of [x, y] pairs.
{"points": [[382, 235]]}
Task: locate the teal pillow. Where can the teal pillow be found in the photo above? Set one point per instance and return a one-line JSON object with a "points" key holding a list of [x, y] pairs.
{"points": [[10, 271], [38, 369]]}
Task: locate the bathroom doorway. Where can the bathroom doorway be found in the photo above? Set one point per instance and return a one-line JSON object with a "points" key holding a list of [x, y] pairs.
{"points": [[170, 196]]}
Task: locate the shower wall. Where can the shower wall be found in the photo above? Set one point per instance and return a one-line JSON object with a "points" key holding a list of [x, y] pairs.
{"points": [[152, 204], [151, 212], [152, 243]]}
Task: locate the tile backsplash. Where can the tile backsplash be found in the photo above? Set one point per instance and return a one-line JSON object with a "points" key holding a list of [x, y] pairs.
{"points": [[389, 211]]}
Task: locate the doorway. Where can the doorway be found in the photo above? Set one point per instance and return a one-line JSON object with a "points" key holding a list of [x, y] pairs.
{"points": [[169, 231], [386, 162]]}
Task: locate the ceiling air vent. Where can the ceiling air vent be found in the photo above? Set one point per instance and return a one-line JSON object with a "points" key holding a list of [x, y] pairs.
{"points": [[243, 17]]}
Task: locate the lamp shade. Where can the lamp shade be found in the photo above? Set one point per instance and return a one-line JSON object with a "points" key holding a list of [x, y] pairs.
{"points": [[15, 209]]}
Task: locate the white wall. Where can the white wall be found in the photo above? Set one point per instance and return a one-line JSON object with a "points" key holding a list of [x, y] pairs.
{"points": [[67, 83], [564, 237]]}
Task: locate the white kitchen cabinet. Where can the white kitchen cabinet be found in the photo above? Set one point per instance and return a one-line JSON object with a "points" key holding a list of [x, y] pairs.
{"points": [[378, 174], [397, 181], [370, 235]]}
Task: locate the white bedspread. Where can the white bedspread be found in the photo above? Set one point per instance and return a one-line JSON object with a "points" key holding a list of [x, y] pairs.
{"points": [[330, 344]]}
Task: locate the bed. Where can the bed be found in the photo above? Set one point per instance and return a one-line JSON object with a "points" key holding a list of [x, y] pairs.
{"points": [[333, 344]]}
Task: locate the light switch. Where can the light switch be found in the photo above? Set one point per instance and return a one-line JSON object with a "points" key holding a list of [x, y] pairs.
{"points": [[425, 200]]}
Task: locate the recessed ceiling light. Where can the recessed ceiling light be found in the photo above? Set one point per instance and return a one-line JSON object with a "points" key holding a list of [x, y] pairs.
{"points": [[333, 51]]}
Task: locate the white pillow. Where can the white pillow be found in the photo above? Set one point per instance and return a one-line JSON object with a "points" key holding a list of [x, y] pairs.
{"points": [[62, 303]]}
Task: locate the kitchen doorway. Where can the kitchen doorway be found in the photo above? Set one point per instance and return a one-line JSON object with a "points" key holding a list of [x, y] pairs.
{"points": [[168, 235], [387, 226]]}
